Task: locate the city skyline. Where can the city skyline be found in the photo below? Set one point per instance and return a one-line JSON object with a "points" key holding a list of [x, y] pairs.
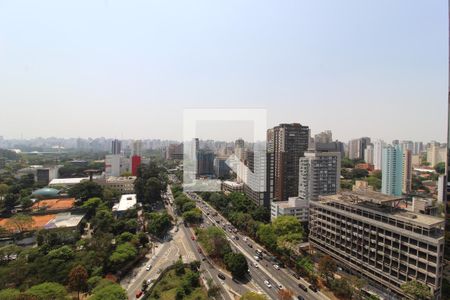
{"points": [[293, 60]]}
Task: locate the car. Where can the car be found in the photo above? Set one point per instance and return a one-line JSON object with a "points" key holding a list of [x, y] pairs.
{"points": [[300, 297], [199, 249], [313, 288], [267, 283], [280, 287], [193, 238], [139, 293], [295, 275], [303, 287], [149, 281], [256, 257], [245, 238], [277, 267], [236, 238], [221, 276], [148, 267], [255, 265]]}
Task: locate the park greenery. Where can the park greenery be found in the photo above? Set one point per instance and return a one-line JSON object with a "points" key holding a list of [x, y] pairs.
{"points": [[180, 281], [67, 263]]}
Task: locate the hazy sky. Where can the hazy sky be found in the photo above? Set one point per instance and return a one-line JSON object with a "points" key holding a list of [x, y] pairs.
{"points": [[128, 68]]}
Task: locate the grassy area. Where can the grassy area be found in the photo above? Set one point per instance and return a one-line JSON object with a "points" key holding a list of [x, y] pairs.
{"points": [[166, 288]]}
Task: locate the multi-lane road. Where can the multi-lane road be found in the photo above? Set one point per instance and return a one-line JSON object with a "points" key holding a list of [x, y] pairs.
{"points": [[266, 271], [182, 242]]}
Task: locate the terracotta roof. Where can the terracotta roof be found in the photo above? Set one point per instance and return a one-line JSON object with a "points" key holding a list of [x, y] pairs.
{"points": [[38, 222], [54, 204]]}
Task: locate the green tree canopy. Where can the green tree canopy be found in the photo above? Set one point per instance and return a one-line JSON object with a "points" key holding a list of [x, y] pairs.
{"points": [[236, 264], [48, 291], [417, 290], [85, 190]]}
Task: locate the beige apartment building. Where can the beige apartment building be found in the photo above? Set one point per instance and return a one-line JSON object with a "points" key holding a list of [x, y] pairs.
{"points": [[369, 234]]}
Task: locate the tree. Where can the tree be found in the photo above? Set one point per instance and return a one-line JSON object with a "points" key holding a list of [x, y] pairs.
{"points": [[9, 201], [285, 294], [124, 252], [253, 296], [103, 220], [110, 291], [359, 173], [342, 288], [236, 264], [78, 279], [267, 236], [48, 290], [305, 265], [20, 222], [9, 294], [3, 189], [92, 204], [158, 223], [417, 290], [214, 242], [85, 190], [327, 268], [440, 168], [193, 216]]}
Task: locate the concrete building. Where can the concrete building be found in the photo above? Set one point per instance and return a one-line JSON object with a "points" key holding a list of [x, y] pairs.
{"points": [[417, 148], [41, 174], [239, 151], [392, 173], [260, 166], [175, 151], [319, 174], [378, 147], [232, 186], [122, 184], [116, 165], [221, 169], [288, 142], [126, 202], [356, 147], [436, 153], [66, 182], [116, 147], [407, 171], [205, 162], [323, 137], [137, 148], [368, 234], [331, 147], [295, 206], [368, 154]]}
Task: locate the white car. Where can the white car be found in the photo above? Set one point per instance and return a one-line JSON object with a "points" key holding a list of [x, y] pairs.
{"points": [[256, 257], [255, 265], [148, 267], [276, 267], [245, 239], [267, 283]]}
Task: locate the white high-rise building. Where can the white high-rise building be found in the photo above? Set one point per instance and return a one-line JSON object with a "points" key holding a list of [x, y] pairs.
{"points": [[115, 165], [319, 174], [368, 154], [378, 146]]}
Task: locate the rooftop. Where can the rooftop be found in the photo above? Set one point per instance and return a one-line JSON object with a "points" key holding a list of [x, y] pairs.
{"points": [[54, 204], [382, 205], [64, 220], [232, 183], [65, 181], [126, 202]]}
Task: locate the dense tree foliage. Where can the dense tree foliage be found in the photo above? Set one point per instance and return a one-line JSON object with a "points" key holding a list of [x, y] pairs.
{"points": [[85, 190], [158, 223], [327, 267], [214, 241], [417, 290], [236, 264], [253, 296], [150, 182]]}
